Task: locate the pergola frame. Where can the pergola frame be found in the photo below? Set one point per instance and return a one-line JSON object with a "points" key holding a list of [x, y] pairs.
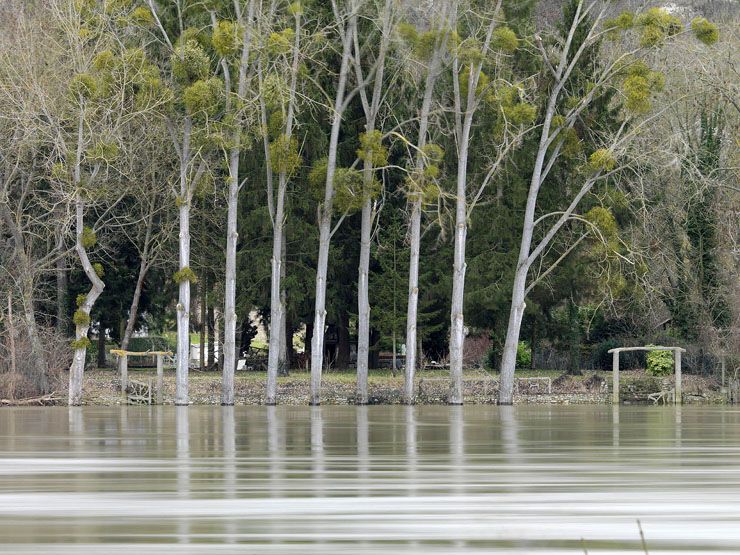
{"points": [[123, 367], [676, 365]]}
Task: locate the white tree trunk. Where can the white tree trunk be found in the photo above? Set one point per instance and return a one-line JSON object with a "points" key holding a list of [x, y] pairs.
{"points": [[317, 341], [77, 368], [457, 324], [325, 214], [411, 313], [508, 359], [183, 310], [229, 351], [276, 301], [363, 299], [283, 356]]}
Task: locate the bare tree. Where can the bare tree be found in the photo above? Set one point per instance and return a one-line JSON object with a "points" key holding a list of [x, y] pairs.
{"points": [[373, 155], [654, 26], [424, 168]]}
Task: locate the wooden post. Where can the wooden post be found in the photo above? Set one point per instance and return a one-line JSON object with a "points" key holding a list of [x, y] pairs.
{"points": [[677, 398], [123, 368], [159, 379], [615, 377], [149, 390], [11, 333]]}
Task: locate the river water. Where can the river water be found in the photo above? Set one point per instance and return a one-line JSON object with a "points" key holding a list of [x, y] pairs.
{"points": [[369, 480]]}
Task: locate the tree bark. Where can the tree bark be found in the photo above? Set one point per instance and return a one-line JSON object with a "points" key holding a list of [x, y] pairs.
{"points": [[457, 325], [415, 221], [183, 310], [317, 343], [276, 305], [229, 352], [277, 341], [363, 298], [77, 367], [411, 312]]}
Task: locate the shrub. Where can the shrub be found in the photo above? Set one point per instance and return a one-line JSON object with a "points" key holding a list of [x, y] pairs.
{"points": [[523, 355], [659, 363]]}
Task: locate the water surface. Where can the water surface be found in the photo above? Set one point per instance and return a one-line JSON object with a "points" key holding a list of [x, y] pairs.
{"points": [[369, 480]]}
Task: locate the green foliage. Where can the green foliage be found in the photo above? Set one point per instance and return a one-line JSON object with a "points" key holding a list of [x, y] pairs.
{"points": [[102, 151], [625, 20], [82, 343], [652, 36], [636, 90], [520, 113], [348, 190], [89, 238], [183, 275], [281, 43], [204, 99], [704, 30], [421, 44], [284, 156], [98, 269], [317, 176], [80, 300], [372, 149], [295, 9], [190, 63], [523, 355], [84, 85], [81, 318], [142, 16], [150, 343], [602, 160], [226, 38], [659, 363], [603, 219], [504, 39]]}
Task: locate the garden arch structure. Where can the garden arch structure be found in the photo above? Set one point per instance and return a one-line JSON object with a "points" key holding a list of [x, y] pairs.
{"points": [[676, 366]]}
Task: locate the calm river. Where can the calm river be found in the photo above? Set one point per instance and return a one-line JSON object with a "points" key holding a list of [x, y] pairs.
{"points": [[328, 480]]}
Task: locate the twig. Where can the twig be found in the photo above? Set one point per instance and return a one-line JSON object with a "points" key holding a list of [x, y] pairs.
{"points": [[642, 537]]}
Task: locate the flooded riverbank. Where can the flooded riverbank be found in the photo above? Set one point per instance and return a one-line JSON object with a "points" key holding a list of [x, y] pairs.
{"points": [[329, 480]]}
